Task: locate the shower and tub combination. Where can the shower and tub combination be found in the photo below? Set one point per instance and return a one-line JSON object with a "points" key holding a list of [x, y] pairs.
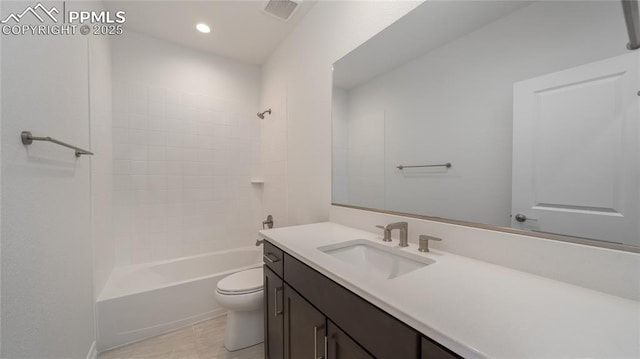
{"points": [[144, 300]]}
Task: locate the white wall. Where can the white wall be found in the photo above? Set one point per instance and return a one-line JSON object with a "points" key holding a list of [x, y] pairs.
{"points": [[186, 145], [455, 105], [299, 74], [339, 146], [365, 152], [101, 162], [46, 266]]}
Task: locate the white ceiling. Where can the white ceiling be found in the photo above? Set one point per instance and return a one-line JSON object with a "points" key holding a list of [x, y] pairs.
{"points": [[240, 29], [430, 25]]}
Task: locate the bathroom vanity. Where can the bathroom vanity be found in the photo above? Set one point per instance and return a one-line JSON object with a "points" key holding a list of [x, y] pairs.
{"points": [[309, 315], [321, 305]]}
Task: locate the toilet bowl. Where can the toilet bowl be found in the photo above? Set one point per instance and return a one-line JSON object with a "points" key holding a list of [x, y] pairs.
{"points": [[242, 295]]}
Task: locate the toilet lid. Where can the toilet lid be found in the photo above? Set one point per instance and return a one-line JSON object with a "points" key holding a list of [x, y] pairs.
{"points": [[249, 280]]}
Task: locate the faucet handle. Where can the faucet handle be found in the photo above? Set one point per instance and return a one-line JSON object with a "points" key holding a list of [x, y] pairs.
{"points": [[424, 242], [387, 233]]}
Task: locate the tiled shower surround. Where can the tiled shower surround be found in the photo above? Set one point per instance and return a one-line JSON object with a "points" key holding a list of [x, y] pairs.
{"points": [[183, 164]]}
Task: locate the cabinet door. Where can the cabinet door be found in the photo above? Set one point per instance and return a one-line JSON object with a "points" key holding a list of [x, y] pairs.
{"points": [[341, 346], [384, 336], [304, 329], [273, 315], [432, 350]]}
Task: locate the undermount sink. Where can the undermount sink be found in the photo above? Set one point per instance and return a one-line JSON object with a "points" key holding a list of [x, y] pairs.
{"points": [[377, 259]]}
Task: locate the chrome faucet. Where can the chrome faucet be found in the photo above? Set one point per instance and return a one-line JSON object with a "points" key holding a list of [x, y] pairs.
{"points": [[424, 242], [404, 230], [387, 233]]}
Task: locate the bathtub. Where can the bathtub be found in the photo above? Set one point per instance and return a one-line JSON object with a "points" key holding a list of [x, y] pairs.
{"points": [[141, 301]]}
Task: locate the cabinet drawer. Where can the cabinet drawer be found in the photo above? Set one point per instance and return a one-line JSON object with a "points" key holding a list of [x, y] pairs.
{"points": [[382, 335], [273, 258]]}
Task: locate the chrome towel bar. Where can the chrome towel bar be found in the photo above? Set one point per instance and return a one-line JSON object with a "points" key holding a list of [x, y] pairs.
{"points": [[448, 165], [28, 138]]}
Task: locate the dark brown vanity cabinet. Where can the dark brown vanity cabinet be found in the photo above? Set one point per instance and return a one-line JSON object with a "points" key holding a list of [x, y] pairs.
{"points": [[309, 334], [307, 315], [340, 345], [273, 315], [273, 302], [433, 350], [305, 328]]}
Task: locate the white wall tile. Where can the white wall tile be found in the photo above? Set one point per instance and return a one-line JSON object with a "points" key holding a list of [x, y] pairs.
{"points": [[157, 138], [175, 149], [156, 168], [157, 94], [157, 153], [138, 107], [137, 121], [120, 119], [157, 110], [138, 152], [174, 154], [121, 167], [139, 167], [138, 91], [174, 97]]}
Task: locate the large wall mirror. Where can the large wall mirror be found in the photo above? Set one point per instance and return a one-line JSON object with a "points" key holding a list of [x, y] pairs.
{"points": [[518, 115]]}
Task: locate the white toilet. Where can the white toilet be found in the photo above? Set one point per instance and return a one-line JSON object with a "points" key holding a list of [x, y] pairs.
{"points": [[242, 295]]}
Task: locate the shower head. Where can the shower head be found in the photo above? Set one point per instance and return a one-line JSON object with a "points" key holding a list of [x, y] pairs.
{"points": [[261, 114]]}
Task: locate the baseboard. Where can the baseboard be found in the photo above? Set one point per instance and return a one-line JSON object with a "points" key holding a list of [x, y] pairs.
{"points": [[93, 352]]}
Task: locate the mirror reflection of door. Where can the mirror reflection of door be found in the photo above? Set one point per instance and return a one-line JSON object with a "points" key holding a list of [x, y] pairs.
{"points": [[576, 161]]}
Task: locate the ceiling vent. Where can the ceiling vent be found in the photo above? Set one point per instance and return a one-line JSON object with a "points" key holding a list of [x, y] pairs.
{"points": [[282, 9]]}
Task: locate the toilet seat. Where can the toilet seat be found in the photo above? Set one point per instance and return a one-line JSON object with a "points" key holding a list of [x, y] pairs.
{"points": [[244, 282]]}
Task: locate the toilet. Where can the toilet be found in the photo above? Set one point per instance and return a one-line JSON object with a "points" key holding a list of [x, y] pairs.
{"points": [[242, 294]]}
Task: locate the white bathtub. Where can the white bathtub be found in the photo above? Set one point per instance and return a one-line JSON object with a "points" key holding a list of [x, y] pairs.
{"points": [[141, 301]]}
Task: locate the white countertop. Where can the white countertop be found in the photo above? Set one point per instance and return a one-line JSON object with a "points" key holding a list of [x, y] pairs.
{"points": [[478, 309]]}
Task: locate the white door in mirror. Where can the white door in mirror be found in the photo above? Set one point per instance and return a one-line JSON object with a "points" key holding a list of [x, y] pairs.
{"points": [[575, 156]]}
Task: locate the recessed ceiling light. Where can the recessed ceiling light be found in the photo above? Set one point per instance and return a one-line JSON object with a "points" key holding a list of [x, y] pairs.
{"points": [[204, 28]]}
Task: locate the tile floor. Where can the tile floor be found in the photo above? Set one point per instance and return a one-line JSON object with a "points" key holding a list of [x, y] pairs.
{"points": [[200, 341]]}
